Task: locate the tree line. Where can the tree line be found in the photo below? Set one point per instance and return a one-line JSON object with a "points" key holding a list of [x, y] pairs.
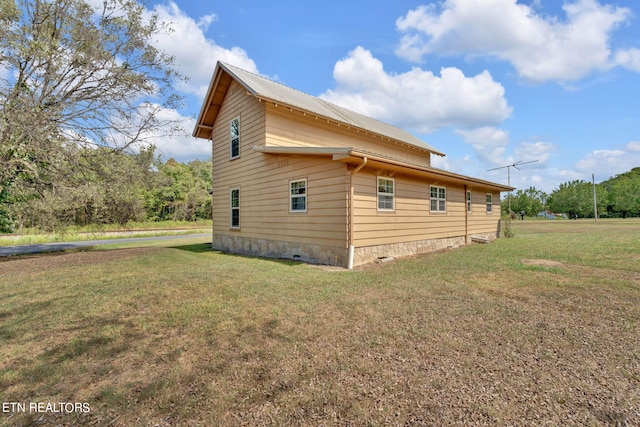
{"points": [[83, 91], [107, 187], [617, 197]]}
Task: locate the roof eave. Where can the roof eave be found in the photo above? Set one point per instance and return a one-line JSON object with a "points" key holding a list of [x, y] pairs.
{"points": [[209, 101], [349, 155], [431, 171], [205, 104]]}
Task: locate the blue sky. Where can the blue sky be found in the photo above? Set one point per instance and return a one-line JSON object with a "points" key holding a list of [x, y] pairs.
{"points": [[488, 82]]}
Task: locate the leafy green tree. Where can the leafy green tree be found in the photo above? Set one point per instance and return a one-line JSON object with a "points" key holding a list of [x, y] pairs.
{"points": [[102, 186], [177, 183], [531, 201], [575, 198], [625, 196], [182, 191], [204, 185], [6, 221], [77, 74]]}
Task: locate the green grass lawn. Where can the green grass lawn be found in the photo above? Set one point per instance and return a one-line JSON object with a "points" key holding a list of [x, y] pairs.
{"points": [[540, 329]]}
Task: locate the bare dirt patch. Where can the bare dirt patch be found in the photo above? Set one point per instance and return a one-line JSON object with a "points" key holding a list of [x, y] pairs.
{"points": [[543, 263], [50, 260]]}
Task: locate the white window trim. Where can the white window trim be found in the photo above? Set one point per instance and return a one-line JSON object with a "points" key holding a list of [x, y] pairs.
{"points": [[378, 194], [231, 156], [469, 202], [489, 203], [292, 196], [231, 209], [438, 199]]}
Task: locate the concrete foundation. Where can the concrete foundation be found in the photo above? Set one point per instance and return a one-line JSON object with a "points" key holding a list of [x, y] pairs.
{"points": [[329, 255], [367, 254], [312, 253]]}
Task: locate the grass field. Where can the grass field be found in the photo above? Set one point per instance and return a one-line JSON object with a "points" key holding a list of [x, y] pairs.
{"points": [[540, 329], [106, 231]]}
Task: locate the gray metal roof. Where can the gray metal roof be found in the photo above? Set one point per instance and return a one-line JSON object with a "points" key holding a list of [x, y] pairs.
{"points": [[262, 87]]}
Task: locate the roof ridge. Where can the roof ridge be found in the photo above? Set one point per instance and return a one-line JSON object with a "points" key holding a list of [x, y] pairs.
{"points": [[226, 64], [332, 111], [333, 104]]}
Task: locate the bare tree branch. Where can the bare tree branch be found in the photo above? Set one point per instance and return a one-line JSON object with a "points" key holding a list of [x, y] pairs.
{"points": [[75, 73]]}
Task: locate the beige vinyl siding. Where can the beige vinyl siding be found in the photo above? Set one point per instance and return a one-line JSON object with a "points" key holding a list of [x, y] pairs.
{"points": [[479, 220], [287, 128], [265, 203], [264, 180], [412, 219]]}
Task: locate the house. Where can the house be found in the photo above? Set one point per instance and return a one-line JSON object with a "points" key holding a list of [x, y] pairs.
{"points": [[297, 177]]}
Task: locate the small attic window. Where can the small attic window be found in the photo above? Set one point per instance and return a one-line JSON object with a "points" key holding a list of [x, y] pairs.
{"points": [[234, 129]]}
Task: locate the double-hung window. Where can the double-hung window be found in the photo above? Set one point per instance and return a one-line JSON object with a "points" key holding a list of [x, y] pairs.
{"points": [[298, 195], [386, 194], [468, 201], [489, 203], [234, 204], [234, 133], [438, 199]]}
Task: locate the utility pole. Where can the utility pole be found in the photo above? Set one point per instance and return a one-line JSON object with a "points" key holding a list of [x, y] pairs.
{"points": [[595, 203]]}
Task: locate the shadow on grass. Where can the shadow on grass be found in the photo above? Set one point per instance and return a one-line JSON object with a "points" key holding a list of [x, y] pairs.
{"points": [[195, 248], [46, 253], [206, 248]]}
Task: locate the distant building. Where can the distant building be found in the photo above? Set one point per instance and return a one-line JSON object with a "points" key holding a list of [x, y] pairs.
{"points": [[550, 215]]}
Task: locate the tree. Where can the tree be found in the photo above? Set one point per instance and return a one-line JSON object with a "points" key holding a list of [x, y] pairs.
{"points": [[76, 74], [531, 201], [575, 198], [102, 186], [182, 191], [204, 186], [625, 195], [6, 221]]}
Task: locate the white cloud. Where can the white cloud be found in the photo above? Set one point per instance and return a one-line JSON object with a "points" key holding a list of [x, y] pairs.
{"points": [[540, 47], [417, 99], [195, 55], [532, 151], [205, 21], [170, 134], [183, 147], [488, 143], [175, 140], [628, 58], [608, 163]]}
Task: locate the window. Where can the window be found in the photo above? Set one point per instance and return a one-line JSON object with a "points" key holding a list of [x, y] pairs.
{"points": [[438, 199], [385, 194], [234, 131], [298, 195], [235, 208], [469, 201], [489, 203]]}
